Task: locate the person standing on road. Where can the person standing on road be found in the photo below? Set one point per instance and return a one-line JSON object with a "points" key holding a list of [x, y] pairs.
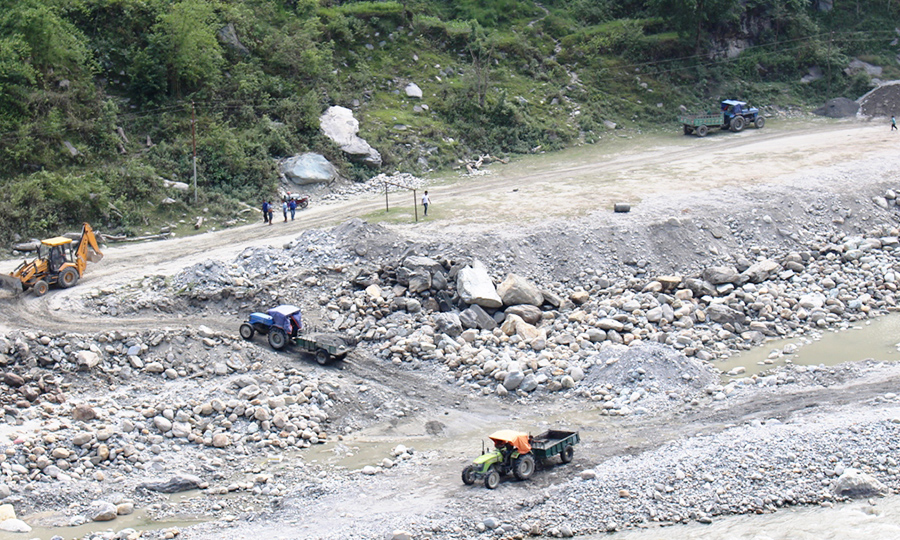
{"points": [[293, 207], [284, 206], [265, 209], [271, 213], [425, 202], [893, 123]]}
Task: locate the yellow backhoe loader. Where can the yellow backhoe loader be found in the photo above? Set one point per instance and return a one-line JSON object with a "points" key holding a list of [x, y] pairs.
{"points": [[60, 262]]}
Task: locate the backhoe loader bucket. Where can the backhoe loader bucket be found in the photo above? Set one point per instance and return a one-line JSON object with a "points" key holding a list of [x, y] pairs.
{"points": [[93, 256], [11, 284]]}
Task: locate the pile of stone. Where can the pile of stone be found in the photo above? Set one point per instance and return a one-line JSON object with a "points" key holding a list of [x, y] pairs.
{"points": [[197, 390]]}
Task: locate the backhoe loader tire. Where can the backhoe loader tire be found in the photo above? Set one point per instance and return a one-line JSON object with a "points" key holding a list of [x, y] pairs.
{"points": [[277, 338], [468, 475], [68, 277], [524, 467], [492, 479], [322, 357], [567, 455], [41, 288], [247, 331]]}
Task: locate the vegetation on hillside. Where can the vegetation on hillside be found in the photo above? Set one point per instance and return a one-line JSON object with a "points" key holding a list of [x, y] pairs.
{"points": [[97, 96]]}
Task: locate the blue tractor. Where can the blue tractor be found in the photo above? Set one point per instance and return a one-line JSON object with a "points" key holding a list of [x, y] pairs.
{"points": [[733, 115], [283, 326]]}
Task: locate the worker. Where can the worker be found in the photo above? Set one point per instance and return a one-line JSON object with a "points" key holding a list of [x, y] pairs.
{"points": [[265, 211]]}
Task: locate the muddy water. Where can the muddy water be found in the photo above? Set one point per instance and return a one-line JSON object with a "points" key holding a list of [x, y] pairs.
{"points": [[851, 521], [877, 339]]}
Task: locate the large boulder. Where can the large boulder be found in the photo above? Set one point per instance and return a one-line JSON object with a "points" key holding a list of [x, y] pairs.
{"points": [[760, 271], [476, 317], [227, 36], [448, 323], [855, 484], [476, 287], [308, 168], [176, 484], [339, 125], [516, 290], [720, 313], [718, 275], [529, 313]]}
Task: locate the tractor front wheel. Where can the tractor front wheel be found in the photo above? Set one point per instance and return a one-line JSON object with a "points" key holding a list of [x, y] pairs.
{"points": [[492, 479], [304, 203], [247, 331], [41, 287], [468, 475], [68, 277], [759, 122], [524, 467], [567, 455], [277, 338]]}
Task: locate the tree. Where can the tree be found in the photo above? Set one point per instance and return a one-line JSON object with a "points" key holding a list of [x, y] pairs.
{"points": [[193, 56], [481, 51], [692, 18]]}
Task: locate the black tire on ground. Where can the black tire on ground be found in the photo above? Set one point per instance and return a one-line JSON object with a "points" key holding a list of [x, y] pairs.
{"points": [[737, 124], [41, 287], [68, 277], [468, 475], [304, 203], [688, 129], [247, 331], [621, 208], [568, 454], [524, 467], [760, 122], [702, 131], [277, 338], [322, 357], [492, 479]]}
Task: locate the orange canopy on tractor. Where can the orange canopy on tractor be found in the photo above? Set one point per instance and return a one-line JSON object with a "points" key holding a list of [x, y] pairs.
{"points": [[517, 439]]}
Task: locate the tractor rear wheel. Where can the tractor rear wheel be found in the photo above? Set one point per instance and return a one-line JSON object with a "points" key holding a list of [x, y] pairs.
{"points": [[702, 131], [247, 331], [567, 455], [68, 277], [277, 338], [737, 124], [41, 287], [468, 475], [524, 467], [322, 357], [492, 479], [759, 122]]}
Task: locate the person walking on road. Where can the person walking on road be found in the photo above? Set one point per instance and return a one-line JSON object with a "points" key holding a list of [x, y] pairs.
{"points": [[293, 207], [425, 202], [265, 210], [893, 123], [284, 206]]}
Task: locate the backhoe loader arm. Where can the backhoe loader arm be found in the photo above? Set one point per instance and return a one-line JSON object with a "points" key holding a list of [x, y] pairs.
{"points": [[87, 249]]}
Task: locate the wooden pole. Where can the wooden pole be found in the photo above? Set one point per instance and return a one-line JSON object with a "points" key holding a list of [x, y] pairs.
{"points": [[386, 208], [194, 145]]}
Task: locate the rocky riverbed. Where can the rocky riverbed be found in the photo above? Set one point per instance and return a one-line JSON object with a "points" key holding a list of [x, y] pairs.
{"points": [[599, 323]]}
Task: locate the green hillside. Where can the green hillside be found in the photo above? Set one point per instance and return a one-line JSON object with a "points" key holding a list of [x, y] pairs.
{"points": [[96, 96]]}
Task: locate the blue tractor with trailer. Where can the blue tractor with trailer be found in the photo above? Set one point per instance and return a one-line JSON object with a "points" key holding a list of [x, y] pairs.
{"points": [[283, 325], [733, 115]]}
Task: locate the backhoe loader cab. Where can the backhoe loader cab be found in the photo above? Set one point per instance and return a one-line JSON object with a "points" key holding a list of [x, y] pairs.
{"points": [[60, 262]]}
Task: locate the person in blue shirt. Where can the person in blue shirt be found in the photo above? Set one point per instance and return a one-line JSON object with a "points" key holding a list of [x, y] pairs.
{"points": [[265, 210]]}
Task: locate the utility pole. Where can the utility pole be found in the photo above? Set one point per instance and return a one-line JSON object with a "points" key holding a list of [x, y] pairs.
{"points": [[194, 145]]}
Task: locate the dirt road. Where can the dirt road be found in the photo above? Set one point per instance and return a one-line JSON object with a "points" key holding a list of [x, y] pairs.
{"points": [[648, 172]]}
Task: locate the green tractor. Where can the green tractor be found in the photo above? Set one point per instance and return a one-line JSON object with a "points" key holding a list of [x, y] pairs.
{"points": [[517, 453], [511, 455]]}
